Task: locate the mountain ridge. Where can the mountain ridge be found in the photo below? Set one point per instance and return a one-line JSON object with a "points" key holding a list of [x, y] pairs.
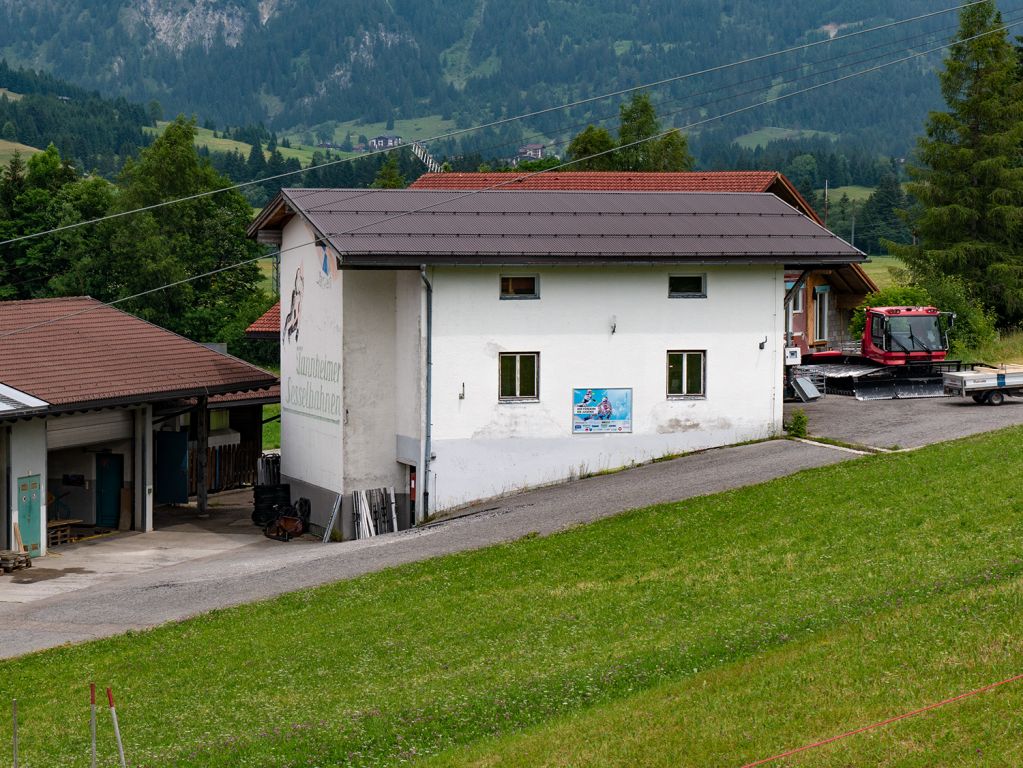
{"points": [[299, 63]]}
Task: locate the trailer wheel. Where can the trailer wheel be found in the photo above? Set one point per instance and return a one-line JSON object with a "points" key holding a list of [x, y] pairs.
{"points": [[979, 398], [995, 398]]}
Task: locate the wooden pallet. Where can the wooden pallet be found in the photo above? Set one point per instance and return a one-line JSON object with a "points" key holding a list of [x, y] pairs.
{"points": [[59, 532], [13, 561]]}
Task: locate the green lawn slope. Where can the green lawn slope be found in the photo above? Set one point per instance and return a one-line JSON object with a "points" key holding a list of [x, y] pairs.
{"points": [[9, 148], [709, 632]]}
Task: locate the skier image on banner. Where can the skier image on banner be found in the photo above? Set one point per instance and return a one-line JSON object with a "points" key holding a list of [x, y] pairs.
{"points": [[585, 407], [604, 410]]}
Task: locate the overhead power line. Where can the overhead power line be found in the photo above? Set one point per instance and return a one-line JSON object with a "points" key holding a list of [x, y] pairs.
{"points": [[513, 178], [501, 121]]}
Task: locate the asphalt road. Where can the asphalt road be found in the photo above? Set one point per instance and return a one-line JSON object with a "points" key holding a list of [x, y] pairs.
{"points": [[239, 573], [905, 423], [136, 600]]}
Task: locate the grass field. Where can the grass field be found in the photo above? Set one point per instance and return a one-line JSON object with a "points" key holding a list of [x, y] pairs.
{"points": [[204, 138], [763, 136], [413, 129], [266, 271], [880, 269], [1008, 348], [855, 193], [271, 429], [709, 632], [8, 148], [11, 94]]}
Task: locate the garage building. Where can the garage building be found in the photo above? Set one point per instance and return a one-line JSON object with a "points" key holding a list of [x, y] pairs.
{"points": [[97, 412]]}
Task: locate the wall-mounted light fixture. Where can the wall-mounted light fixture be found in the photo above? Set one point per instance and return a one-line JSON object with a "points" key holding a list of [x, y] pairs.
{"points": [[614, 324], [763, 343], [461, 395]]}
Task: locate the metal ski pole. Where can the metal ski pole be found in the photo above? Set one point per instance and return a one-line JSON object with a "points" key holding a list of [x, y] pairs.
{"points": [[117, 730], [14, 715], [92, 722]]}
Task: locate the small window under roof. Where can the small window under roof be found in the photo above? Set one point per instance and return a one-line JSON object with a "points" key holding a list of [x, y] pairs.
{"points": [[520, 287]]}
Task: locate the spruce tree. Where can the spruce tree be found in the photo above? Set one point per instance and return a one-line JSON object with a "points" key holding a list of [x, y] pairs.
{"points": [[969, 183], [389, 176]]}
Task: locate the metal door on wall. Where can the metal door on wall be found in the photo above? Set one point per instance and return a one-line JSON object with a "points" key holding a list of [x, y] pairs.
{"points": [[29, 514], [109, 479], [171, 467]]}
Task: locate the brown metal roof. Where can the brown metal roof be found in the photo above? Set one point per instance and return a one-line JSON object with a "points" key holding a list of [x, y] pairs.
{"points": [[405, 228], [77, 352]]}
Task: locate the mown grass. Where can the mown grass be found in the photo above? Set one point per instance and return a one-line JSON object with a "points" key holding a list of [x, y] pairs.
{"points": [[412, 129], [204, 138], [880, 270], [813, 689], [763, 136], [763, 617], [854, 191], [271, 429], [8, 148]]}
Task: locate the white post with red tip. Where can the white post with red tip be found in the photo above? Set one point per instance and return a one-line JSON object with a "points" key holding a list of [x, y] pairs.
{"points": [[14, 716], [92, 721], [117, 730]]}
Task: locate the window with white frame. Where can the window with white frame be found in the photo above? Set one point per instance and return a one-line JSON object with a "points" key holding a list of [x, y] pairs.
{"points": [[687, 374], [520, 287], [797, 300], [820, 313], [687, 286], [520, 376]]}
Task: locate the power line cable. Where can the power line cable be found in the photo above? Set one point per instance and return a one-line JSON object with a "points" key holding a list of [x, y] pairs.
{"points": [[501, 121], [899, 44], [513, 178]]}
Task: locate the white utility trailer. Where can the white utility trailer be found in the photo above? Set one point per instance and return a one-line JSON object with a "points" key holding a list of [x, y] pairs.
{"points": [[985, 384]]}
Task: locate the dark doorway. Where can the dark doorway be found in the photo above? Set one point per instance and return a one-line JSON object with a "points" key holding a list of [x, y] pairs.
{"points": [[109, 481]]}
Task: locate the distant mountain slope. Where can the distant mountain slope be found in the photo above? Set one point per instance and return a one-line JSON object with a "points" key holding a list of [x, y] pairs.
{"points": [[94, 132], [292, 62]]}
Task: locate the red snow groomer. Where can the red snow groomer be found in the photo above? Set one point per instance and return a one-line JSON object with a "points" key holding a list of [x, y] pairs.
{"points": [[902, 355]]}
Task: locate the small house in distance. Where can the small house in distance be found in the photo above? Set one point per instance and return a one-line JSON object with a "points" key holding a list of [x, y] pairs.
{"points": [[460, 347], [532, 152], [385, 142]]}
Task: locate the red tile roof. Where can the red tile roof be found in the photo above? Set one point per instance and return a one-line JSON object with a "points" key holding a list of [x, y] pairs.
{"points": [[609, 181], [268, 326], [271, 395], [77, 351], [625, 181]]}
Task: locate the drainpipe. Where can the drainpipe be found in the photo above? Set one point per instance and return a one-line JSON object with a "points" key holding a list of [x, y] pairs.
{"points": [[424, 510]]}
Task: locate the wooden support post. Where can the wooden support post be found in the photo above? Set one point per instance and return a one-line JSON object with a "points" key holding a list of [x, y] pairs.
{"points": [[202, 441]]}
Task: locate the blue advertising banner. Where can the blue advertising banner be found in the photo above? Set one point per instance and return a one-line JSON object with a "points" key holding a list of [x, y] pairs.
{"points": [[601, 410]]}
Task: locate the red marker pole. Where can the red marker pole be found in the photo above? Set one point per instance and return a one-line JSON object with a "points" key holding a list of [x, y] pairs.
{"points": [[92, 723], [117, 730]]}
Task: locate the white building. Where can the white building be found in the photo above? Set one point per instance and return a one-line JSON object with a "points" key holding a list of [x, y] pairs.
{"points": [[468, 340]]}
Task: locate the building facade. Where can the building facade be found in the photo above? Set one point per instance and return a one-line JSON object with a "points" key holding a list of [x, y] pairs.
{"points": [[457, 348]]}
